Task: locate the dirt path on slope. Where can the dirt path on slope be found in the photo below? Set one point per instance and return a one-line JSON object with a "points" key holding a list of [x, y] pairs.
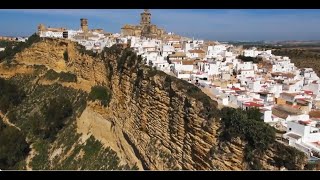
{"points": [[32, 153], [6, 120]]}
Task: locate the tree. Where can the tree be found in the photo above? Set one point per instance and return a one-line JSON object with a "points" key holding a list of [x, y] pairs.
{"points": [[10, 95], [100, 93], [13, 146], [52, 118], [12, 49], [56, 113], [66, 56], [248, 126], [254, 113]]}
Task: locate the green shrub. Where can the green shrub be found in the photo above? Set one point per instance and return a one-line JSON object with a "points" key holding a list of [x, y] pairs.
{"points": [[67, 77], [259, 135], [288, 157], [62, 76], [56, 113], [52, 75], [52, 120], [237, 124], [100, 93], [66, 56], [41, 159], [14, 48], [13, 146], [152, 72], [10, 95], [95, 157], [248, 59]]}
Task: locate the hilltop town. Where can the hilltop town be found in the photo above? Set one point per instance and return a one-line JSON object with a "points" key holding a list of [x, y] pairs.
{"points": [[287, 97]]}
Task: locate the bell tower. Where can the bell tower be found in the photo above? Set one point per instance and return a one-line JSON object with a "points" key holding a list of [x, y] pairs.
{"points": [[84, 24], [145, 17], [41, 28]]}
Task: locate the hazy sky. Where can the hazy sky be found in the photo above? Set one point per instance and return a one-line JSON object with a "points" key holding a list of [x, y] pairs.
{"points": [[213, 24]]}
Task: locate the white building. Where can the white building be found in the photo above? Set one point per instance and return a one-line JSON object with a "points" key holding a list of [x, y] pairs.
{"points": [[304, 135], [186, 66], [214, 51], [244, 66], [246, 73], [51, 34], [195, 53], [283, 65], [167, 50]]}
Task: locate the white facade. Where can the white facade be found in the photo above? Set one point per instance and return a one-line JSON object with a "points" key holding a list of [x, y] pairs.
{"points": [[284, 66], [166, 50], [180, 67], [214, 51], [246, 73], [244, 66], [255, 53], [304, 136], [183, 76], [267, 116], [51, 34]]}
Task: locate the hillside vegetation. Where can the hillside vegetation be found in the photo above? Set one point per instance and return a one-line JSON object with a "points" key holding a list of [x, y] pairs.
{"points": [[302, 58]]}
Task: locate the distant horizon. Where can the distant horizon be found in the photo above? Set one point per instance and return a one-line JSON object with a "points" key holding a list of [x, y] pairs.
{"points": [[23, 36], [206, 39], [248, 25]]}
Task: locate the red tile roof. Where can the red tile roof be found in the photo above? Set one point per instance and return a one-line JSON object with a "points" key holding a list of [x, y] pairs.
{"points": [[295, 106], [235, 89], [308, 92], [252, 104], [305, 122]]}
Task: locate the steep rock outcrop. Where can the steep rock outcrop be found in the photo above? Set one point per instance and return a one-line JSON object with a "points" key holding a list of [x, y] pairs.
{"points": [[63, 55], [172, 124], [154, 120]]}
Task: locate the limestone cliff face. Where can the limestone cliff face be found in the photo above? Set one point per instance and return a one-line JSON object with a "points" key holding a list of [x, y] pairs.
{"points": [[63, 55], [153, 120], [165, 132], [171, 124]]}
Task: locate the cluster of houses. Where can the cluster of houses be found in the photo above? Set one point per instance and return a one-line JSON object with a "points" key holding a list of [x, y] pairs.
{"points": [[285, 95], [91, 39], [15, 39]]}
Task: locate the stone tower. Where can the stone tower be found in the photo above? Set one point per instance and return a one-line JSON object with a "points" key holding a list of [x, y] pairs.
{"points": [[145, 18], [84, 24], [41, 27]]}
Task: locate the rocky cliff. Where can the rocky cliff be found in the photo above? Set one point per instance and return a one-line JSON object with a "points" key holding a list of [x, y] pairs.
{"points": [[154, 121], [65, 56]]}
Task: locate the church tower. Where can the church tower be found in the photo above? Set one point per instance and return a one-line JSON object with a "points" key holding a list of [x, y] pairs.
{"points": [[41, 28], [84, 25], [145, 18]]}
